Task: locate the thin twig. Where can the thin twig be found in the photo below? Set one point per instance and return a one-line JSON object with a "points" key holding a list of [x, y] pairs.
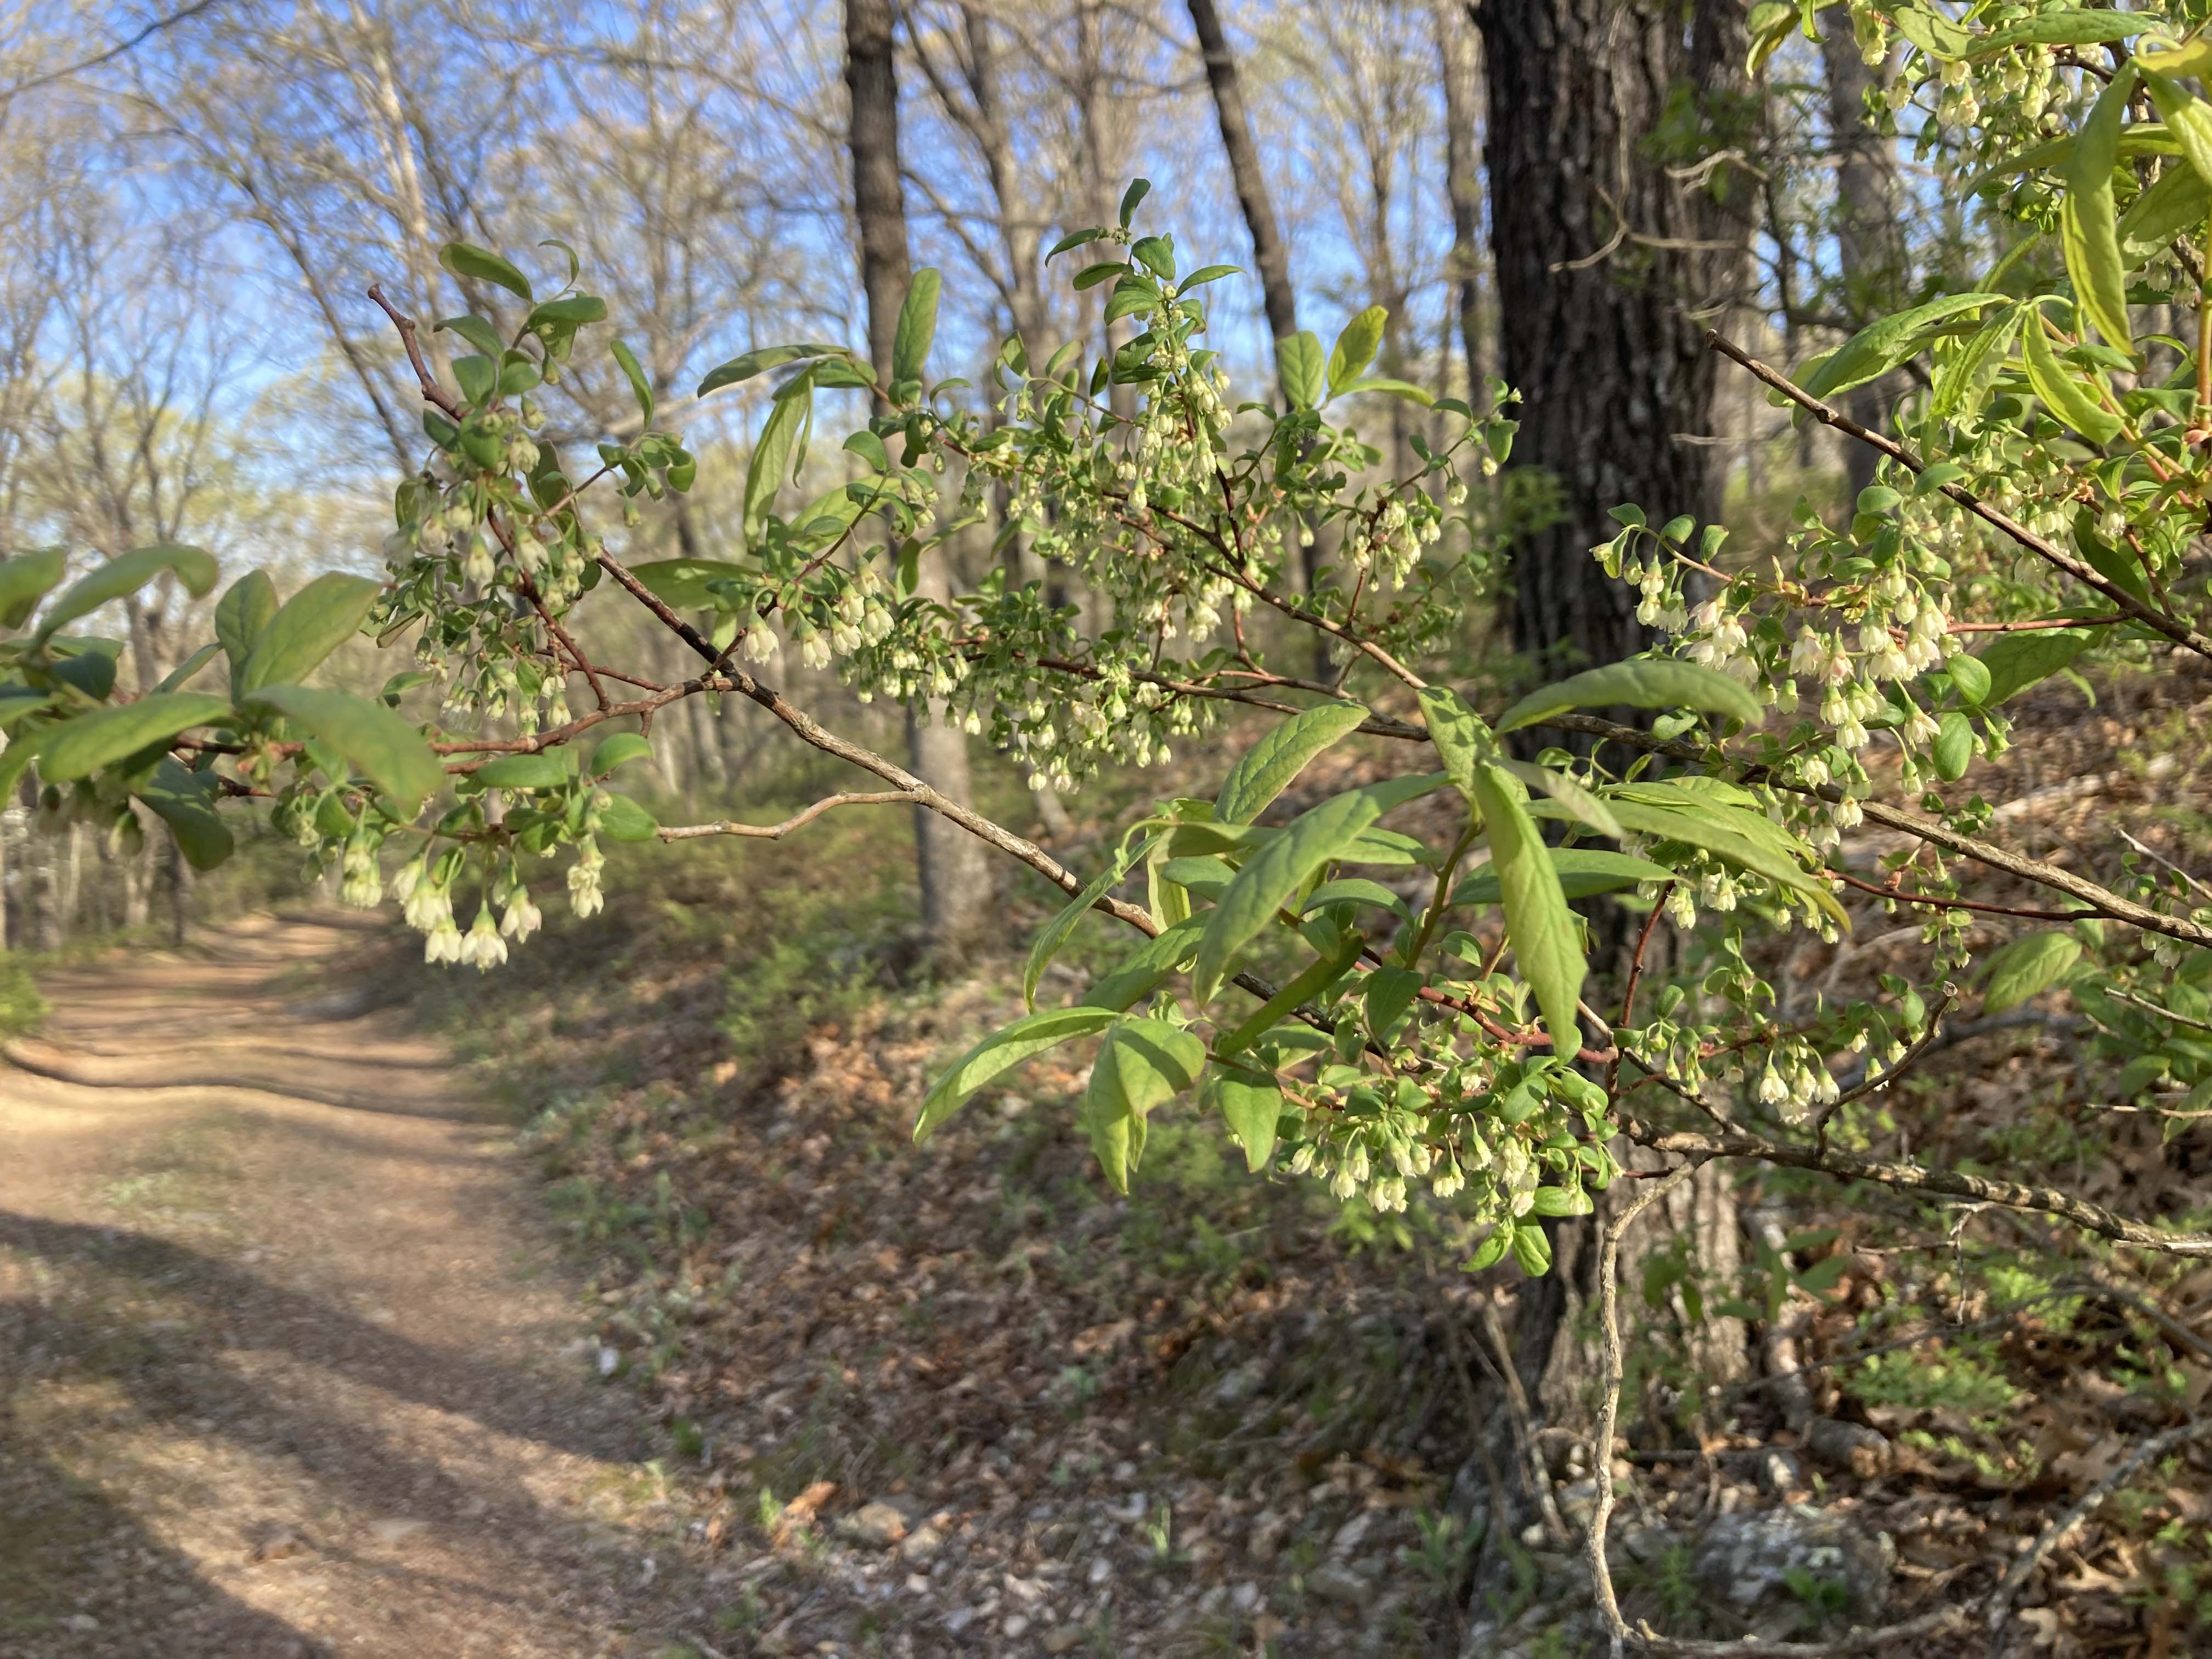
{"points": [[799, 820]]}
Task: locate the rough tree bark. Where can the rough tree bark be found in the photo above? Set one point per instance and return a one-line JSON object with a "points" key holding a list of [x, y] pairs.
{"points": [[1607, 270], [956, 888], [1870, 252], [1463, 190]]}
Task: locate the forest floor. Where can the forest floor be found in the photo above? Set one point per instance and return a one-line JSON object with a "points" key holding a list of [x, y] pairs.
{"points": [[289, 1363]]}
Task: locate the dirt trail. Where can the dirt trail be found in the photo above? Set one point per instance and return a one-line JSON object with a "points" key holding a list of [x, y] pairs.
{"points": [[287, 1365]]}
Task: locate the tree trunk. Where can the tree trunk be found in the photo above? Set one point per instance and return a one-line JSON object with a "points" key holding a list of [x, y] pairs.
{"points": [[956, 888], [1269, 256], [1605, 268], [1869, 241], [1463, 190], [1600, 310]]}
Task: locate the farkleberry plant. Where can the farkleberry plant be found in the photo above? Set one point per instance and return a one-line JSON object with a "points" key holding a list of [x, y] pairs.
{"points": [[2037, 512]]}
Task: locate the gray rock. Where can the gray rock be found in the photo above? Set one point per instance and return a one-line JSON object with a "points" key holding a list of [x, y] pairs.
{"points": [[921, 1544], [877, 1525], [1783, 1570], [1333, 1582]]}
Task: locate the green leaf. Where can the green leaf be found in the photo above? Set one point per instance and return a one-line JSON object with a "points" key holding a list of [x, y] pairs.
{"points": [[1092, 275], [1266, 768], [1732, 838], [1355, 890], [1546, 940], [1205, 274], [464, 259], [2187, 58], [478, 332], [1057, 931], [126, 574], [2189, 120], [1883, 345], [1930, 30], [771, 456], [26, 579], [1661, 682], [2016, 661], [1355, 348], [1971, 677], [183, 800], [2088, 228], [917, 326], [190, 665], [313, 623], [1387, 993], [1954, 747], [1384, 385], [1461, 738], [1143, 1064], [1532, 1248], [239, 617], [619, 750], [1550, 1201], [376, 741], [1269, 878], [1137, 190], [1586, 808], [2176, 204], [2029, 966], [639, 386], [1074, 238], [82, 746], [1311, 980], [998, 1052], [684, 583], [1153, 961], [1959, 374], [1584, 873], [623, 819], [547, 769], [571, 311], [1299, 368], [1251, 1103], [1492, 1249], [2067, 399], [760, 361], [2066, 28], [2124, 570]]}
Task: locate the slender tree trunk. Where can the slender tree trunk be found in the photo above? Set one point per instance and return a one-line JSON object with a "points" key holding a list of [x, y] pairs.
{"points": [[1463, 190], [956, 888], [1269, 256], [1869, 239]]}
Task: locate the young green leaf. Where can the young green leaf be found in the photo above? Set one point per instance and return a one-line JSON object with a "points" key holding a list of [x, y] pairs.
{"points": [[684, 583], [760, 361], [1954, 747], [1959, 375], [183, 800], [476, 332], [313, 623], [1299, 368], [378, 743], [1057, 931], [1387, 993], [917, 326], [2016, 661], [175, 678], [622, 818], [1267, 769], [1584, 873], [1884, 345], [771, 456], [1000, 1051], [464, 260], [1532, 1248], [2068, 399], [1137, 190], [2064, 28], [640, 387], [83, 745], [1355, 348], [1586, 808], [2088, 226], [1269, 879], [2029, 966], [1659, 683], [549, 769], [1143, 1064], [619, 750], [126, 574], [1251, 1103], [1311, 980], [1730, 837], [1460, 737], [1547, 944], [26, 579]]}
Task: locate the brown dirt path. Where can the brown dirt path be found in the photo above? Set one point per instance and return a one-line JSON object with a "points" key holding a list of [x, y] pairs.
{"points": [[287, 1364]]}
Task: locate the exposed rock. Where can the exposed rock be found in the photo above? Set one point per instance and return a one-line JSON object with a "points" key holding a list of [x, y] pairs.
{"points": [[877, 1525], [921, 1544], [1335, 1582], [1761, 1562]]}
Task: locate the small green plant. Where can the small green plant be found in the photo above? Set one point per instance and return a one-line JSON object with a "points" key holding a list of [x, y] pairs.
{"points": [[1160, 1534], [22, 1010], [1441, 1556]]}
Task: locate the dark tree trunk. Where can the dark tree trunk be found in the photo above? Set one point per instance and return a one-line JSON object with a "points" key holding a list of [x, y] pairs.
{"points": [[1601, 312], [1607, 271], [956, 888], [1869, 239]]}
